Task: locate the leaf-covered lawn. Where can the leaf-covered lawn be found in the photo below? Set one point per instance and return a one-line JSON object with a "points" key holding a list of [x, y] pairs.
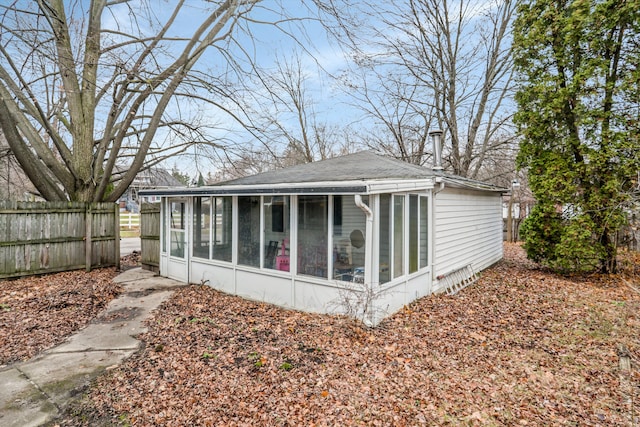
{"points": [[521, 347], [38, 312]]}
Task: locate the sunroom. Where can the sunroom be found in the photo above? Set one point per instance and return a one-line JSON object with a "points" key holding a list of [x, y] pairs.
{"points": [[350, 235]]}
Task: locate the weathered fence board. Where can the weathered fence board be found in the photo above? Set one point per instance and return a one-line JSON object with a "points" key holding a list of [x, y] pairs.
{"points": [[46, 237], [150, 236]]}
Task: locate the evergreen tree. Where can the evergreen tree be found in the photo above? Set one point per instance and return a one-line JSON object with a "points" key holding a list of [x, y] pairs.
{"points": [[578, 117], [182, 177]]}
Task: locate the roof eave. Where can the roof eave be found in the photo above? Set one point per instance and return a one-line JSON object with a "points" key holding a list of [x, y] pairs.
{"points": [[459, 182], [326, 187]]}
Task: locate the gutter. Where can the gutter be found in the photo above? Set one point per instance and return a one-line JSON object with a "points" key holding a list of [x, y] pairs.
{"points": [[439, 180]]}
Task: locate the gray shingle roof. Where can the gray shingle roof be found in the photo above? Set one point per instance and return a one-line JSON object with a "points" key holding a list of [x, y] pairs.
{"points": [[364, 165], [349, 174]]}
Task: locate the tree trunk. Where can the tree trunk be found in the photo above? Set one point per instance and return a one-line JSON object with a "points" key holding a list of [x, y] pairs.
{"points": [[609, 262]]}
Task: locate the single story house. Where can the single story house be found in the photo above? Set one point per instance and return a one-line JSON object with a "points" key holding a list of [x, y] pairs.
{"points": [[361, 234], [152, 177]]}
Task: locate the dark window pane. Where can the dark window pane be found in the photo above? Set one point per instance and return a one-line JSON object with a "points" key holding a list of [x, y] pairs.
{"points": [[313, 231], [413, 233], [201, 226], [277, 233], [222, 228], [424, 230], [249, 231], [385, 238], [398, 236]]}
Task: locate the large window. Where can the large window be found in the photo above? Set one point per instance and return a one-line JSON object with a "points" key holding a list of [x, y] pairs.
{"points": [[249, 231], [398, 236], [165, 212], [264, 233], [177, 228], [413, 233], [277, 231], [312, 235], [400, 245], [349, 227], [212, 224], [424, 233], [201, 226], [385, 238], [222, 228]]}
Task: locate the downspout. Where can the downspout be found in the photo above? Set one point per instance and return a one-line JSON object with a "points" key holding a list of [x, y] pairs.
{"points": [[432, 231], [440, 181], [436, 138], [368, 238]]}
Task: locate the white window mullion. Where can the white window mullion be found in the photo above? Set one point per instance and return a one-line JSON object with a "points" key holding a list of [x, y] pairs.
{"points": [[212, 229], [392, 240], [374, 256], [293, 243], [261, 251], [330, 237], [406, 242], [234, 230]]}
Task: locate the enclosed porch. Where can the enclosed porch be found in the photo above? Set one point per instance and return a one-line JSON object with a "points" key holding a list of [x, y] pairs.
{"points": [[336, 252]]}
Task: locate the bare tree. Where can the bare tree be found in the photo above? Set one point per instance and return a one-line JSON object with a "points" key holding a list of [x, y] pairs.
{"points": [[243, 163], [400, 122], [85, 85], [433, 63], [14, 184], [285, 116]]}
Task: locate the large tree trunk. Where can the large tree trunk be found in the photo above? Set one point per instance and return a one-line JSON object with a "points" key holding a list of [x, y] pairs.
{"points": [[61, 72]]}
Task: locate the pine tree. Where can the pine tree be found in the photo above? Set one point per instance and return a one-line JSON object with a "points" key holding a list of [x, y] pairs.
{"points": [[578, 117]]}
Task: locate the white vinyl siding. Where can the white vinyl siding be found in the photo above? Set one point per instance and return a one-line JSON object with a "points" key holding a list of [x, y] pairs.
{"points": [[468, 230]]}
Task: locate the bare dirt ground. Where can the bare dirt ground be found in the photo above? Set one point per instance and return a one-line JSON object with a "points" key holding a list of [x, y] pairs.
{"points": [[520, 347]]}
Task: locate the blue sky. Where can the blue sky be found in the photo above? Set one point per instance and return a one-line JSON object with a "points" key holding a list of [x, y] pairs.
{"points": [[264, 43]]}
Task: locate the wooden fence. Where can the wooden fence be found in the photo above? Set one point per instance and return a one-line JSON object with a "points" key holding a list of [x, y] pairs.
{"points": [[516, 223], [129, 220], [46, 237], [150, 236]]}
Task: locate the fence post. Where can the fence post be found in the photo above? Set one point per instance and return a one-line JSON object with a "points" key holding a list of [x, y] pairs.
{"points": [[117, 242], [88, 244]]}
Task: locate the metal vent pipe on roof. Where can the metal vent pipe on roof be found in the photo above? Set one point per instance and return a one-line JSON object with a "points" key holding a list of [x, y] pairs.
{"points": [[436, 136]]}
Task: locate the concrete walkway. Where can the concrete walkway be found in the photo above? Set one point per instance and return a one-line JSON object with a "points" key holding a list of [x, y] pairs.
{"points": [[34, 392], [129, 244]]}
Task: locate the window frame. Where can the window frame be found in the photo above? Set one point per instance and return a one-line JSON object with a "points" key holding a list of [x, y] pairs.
{"points": [[391, 234]]}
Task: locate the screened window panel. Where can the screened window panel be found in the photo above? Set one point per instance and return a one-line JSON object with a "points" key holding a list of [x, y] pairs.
{"points": [[385, 238], [349, 228], [413, 233], [249, 231], [424, 232], [313, 232], [177, 227], [277, 232], [222, 224], [201, 226], [398, 236]]}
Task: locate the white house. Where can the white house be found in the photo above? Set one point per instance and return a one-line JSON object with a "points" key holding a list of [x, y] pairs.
{"points": [[361, 234]]}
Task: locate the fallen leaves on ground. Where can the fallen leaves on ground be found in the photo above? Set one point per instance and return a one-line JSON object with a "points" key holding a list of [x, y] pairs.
{"points": [[38, 312], [520, 347], [131, 260]]}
